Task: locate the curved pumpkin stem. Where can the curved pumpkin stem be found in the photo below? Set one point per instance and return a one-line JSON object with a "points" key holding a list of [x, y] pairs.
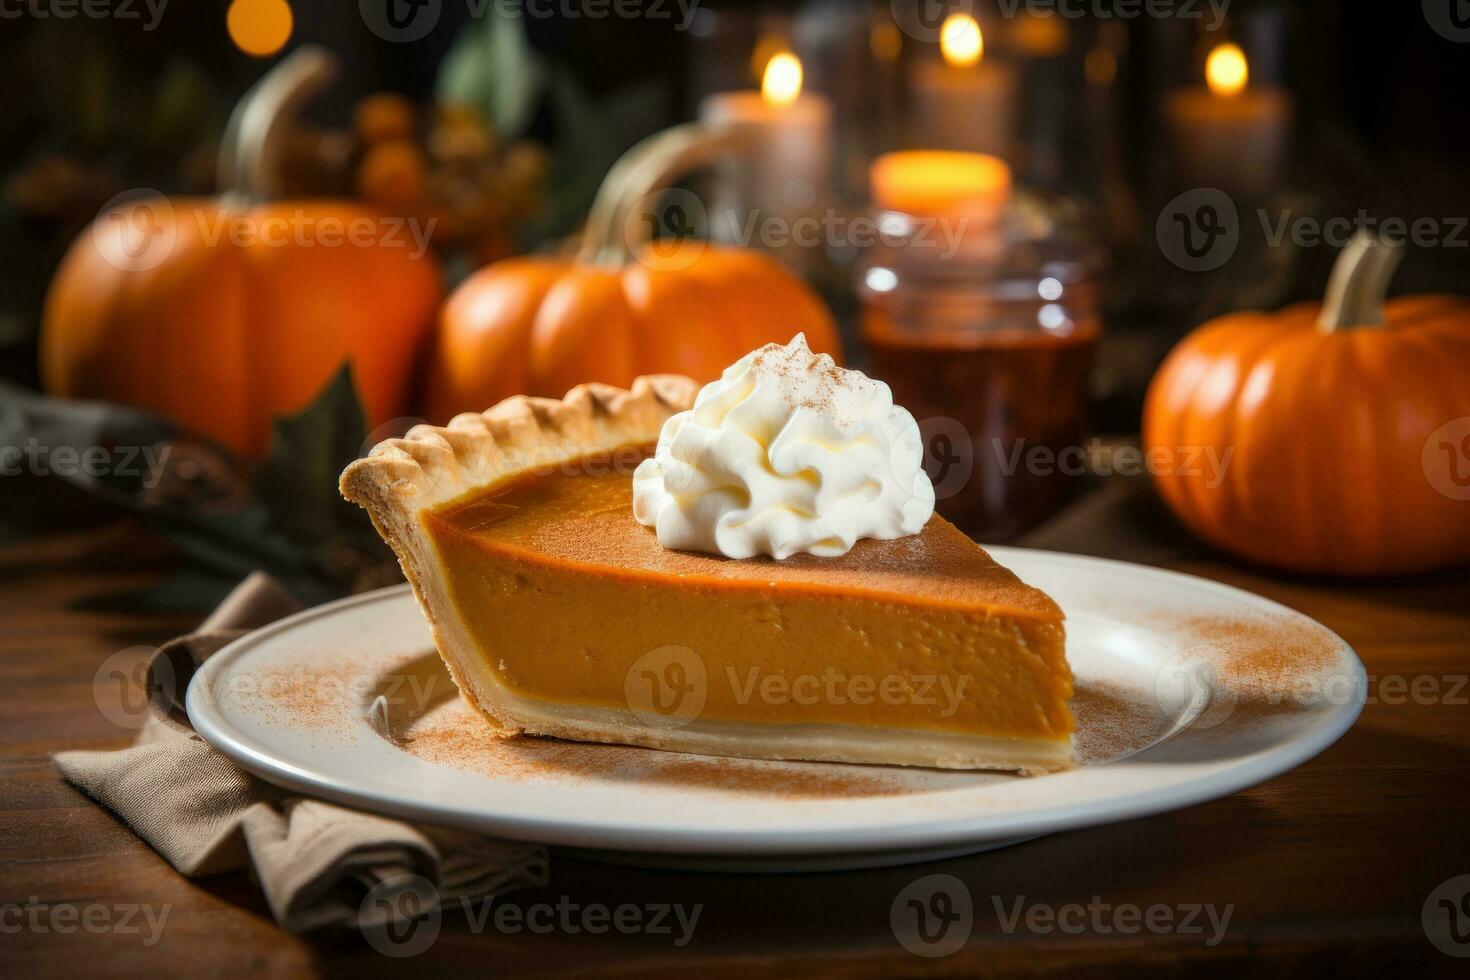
{"points": [[1359, 283], [250, 153], [651, 165]]}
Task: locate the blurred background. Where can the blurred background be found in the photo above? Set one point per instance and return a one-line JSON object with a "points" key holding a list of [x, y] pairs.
{"points": [[1159, 165]]}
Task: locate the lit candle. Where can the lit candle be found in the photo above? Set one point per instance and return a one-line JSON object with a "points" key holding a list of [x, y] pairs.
{"points": [[964, 102], [967, 193], [790, 131], [1229, 134], [942, 183]]}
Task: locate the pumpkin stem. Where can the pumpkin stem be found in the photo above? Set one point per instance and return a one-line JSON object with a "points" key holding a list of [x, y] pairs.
{"points": [[253, 144], [1359, 283], [649, 166]]}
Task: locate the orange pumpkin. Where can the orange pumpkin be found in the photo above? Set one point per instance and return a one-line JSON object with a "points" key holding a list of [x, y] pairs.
{"points": [[222, 314], [1329, 438], [620, 308]]}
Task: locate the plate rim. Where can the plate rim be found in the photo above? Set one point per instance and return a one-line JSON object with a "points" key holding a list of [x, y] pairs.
{"points": [[915, 833]]}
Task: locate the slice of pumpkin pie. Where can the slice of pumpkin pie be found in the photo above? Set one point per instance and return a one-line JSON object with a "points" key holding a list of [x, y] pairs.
{"points": [[756, 571]]}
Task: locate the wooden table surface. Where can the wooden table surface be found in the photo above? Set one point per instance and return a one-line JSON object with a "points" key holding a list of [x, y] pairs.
{"points": [[1329, 866]]}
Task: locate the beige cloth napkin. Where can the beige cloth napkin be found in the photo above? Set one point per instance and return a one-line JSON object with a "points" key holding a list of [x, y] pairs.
{"points": [[318, 864]]}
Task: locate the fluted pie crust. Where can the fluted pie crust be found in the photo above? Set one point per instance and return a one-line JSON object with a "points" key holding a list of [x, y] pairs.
{"points": [[543, 621]]}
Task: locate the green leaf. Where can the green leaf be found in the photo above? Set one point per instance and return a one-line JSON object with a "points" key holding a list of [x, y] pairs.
{"points": [[590, 136], [298, 481], [15, 328], [289, 521], [180, 109], [493, 68]]}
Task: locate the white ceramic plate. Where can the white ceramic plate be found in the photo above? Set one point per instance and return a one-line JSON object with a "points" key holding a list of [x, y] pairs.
{"points": [[1188, 690]]}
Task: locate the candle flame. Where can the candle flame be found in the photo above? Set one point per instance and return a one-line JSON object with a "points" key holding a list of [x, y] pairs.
{"points": [[960, 40], [1226, 70], [781, 82]]}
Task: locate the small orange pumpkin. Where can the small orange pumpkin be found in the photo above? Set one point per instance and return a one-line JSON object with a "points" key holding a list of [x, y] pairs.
{"points": [[541, 325], [1305, 439], [222, 314]]}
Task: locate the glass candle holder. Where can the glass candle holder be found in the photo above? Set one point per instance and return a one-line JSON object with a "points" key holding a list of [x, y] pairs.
{"points": [[1226, 114], [984, 323]]}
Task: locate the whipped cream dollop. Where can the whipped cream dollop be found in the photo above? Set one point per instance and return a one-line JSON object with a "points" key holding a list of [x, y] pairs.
{"points": [[785, 454]]}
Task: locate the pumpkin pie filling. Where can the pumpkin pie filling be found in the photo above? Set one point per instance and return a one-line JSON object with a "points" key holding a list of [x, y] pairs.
{"points": [[564, 592]]}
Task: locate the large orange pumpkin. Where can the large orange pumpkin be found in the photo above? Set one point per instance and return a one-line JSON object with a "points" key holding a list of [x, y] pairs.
{"points": [[222, 314], [620, 308], [1329, 438]]}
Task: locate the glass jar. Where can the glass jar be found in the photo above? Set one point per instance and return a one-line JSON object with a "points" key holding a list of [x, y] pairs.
{"points": [[990, 346]]}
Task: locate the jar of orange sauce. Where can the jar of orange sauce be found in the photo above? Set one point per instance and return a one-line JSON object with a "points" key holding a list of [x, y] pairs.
{"points": [[982, 314]]}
